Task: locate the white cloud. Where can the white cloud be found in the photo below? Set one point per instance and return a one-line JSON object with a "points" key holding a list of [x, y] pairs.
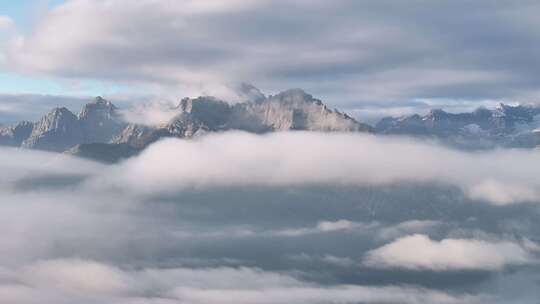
{"points": [[502, 193], [70, 42], [97, 239], [151, 114], [336, 226], [407, 227], [76, 275], [239, 159], [323, 227], [327, 259], [7, 34], [345, 294], [16, 164], [6, 22], [419, 252], [83, 281]]}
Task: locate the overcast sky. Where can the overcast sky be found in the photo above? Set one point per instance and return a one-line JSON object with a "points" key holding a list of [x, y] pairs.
{"points": [[355, 55]]}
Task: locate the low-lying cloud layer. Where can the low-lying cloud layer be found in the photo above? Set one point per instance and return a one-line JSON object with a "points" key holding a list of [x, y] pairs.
{"points": [[232, 159], [281, 218]]}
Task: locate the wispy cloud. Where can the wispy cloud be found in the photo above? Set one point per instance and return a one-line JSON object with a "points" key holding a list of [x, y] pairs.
{"points": [[84, 281]]}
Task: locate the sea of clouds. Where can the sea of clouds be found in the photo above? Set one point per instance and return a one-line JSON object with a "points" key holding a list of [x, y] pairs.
{"points": [[281, 218]]}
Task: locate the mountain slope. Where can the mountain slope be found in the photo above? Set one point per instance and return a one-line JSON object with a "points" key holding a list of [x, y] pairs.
{"points": [[293, 110], [56, 131]]}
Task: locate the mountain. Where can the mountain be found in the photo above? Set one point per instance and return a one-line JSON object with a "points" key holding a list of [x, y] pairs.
{"points": [[100, 133], [504, 126], [138, 136], [292, 110], [100, 121], [60, 129], [56, 131], [15, 135], [289, 110]]}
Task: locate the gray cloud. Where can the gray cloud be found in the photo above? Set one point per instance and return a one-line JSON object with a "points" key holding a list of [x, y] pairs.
{"points": [[17, 107], [347, 52]]}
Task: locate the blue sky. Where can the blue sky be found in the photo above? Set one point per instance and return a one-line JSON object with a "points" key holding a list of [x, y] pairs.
{"points": [[25, 13], [17, 10], [22, 11], [13, 83]]}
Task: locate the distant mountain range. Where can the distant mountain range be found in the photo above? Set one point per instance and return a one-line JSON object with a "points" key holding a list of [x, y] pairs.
{"points": [[100, 132], [505, 126]]}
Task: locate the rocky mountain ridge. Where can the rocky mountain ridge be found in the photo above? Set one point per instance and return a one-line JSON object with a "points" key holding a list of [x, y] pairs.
{"points": [[289, 110], [505, 126], [100, 132], [60, 129]]}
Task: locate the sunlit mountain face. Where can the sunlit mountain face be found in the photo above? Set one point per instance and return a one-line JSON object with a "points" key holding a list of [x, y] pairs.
{"points": [[390, 155]]}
